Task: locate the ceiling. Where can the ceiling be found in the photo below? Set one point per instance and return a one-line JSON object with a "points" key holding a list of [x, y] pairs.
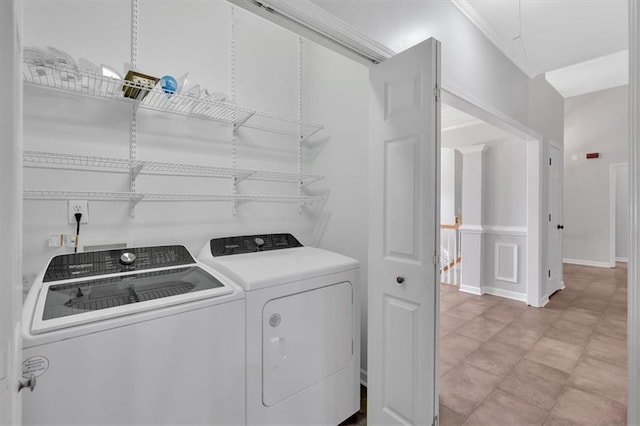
{"points": [[579, 45], [538, 36]]}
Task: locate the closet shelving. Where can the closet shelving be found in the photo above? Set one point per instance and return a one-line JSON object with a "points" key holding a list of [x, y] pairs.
{"points": [[44, 159], [60, 77], [93, 85]]}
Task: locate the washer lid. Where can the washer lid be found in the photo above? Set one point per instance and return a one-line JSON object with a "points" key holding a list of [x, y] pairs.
{"points": [[258, 270], [88, 287]]}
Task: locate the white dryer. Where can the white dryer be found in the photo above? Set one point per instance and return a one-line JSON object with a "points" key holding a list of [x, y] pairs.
{"points": [[134, 336], [303, 327]]}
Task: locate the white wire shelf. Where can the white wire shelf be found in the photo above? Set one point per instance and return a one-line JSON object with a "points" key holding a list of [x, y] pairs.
{"points": [[89, 84], [32, 194], [44, 159]]}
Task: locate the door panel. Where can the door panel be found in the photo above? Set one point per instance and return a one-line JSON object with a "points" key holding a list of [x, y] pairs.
{"points": [[400, 366], [404, 158], [401, 174]]}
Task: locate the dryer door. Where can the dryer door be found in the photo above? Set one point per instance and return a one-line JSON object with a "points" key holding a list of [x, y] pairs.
{"points": [[306, 337]]}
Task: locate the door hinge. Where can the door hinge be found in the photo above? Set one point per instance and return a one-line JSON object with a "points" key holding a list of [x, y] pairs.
{"points": [[352, 347], [549, 161], [436, 92], [549, 217], [435, 259], [549, 273], [436, 421]]}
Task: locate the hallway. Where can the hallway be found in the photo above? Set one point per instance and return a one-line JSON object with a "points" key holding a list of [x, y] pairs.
{"points": [[503, 363]]}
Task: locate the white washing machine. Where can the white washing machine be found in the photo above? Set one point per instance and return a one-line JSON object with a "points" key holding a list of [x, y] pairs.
{"points": [[140, 336], [303, 327]]}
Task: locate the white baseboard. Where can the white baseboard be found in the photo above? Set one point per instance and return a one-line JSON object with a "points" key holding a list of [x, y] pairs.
{"points": [[587, 263], [514, 295], [622, 259], [470, 289], [363, 377]]}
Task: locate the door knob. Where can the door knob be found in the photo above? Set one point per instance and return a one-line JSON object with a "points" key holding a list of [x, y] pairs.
{"points": [[29, 383], [560, 226], [400, 280]]}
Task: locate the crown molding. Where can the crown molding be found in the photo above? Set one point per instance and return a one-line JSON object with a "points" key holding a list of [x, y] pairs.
{"points": [[504, 45], [311, 21]]}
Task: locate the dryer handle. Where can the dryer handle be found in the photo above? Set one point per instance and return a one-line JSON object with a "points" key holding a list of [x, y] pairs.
{"points": [[277, 352]]}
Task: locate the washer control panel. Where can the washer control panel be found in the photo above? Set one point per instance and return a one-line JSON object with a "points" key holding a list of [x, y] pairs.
{"points": [[252, 243], [89, 264]]}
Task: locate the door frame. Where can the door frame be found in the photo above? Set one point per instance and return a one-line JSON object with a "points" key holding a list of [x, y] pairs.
{"points": [[537, 180], [560, 148], [11, 213], [613, 187]]}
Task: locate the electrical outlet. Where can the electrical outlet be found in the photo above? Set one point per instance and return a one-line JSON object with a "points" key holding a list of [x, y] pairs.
{"points": [[78, 206]]}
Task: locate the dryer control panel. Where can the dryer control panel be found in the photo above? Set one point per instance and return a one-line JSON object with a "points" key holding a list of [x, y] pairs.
{"points": [[252, 243]]}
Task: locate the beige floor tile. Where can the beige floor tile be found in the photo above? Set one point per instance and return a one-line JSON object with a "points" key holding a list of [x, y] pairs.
{"points": [[607, 349], [495, 357], [468, 310], [569, 332], [514, 303], [448, 417], [557, 305], [449, 322], [554, 353], [480, 328], [585, 409], [535, 383], [611, 327], [601, 378], [518, 335], [500, 408], [444, 306], [616, 312], [601, 288], [464, 388], [502, 313], [456, 298], [444, 367], [581, 316], [455, 347], [591, 303], [537, 319], [487, 299]]}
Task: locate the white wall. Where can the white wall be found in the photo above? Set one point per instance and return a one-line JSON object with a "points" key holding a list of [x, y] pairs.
{"points": [[596, 122], [470, 62], [194, 38], [450, 185], [337, 88], [506, 184]]}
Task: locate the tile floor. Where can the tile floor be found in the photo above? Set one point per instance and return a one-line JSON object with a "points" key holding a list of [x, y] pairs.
{"points": [[503, 363]]}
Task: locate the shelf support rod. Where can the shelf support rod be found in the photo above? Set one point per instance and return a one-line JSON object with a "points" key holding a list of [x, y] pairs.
{"points": [[240, 123], [133, 131]]}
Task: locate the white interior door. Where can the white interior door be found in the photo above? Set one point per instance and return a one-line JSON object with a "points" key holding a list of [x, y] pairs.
{"points": [[10, 210], [404, 157], [554, 253]]}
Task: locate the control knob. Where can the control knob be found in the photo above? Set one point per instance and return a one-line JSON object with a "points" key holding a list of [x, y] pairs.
{"points": [[127, 258], [259, 243]]}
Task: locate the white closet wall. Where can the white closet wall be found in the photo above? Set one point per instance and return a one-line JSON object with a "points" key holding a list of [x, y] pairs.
{"points": [[258, 66]]}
